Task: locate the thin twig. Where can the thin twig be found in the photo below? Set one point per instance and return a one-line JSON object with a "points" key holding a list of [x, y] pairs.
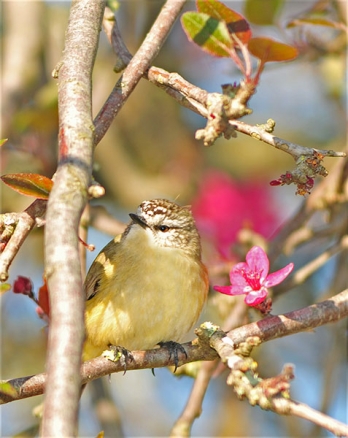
{"points": [[108, 415], [327, 195], [269, 393], [24, 223], [193, 408], [185, 94], [291, 407], [137, 66], [194, 405], [196, 99], [113, 33], [293, 149], [302, 274], [306, 234], [102, 220]]}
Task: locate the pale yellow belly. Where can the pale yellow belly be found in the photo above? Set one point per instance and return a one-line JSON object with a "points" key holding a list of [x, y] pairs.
{"points": [[158, 302]]}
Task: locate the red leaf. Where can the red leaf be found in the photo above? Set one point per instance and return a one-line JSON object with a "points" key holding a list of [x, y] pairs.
{"points": [[269, 50], [29, 184], [236, 23], [44, 301]]}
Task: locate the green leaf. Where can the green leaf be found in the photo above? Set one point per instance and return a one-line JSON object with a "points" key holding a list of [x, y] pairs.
{"points": [[4, 287], [268, 50], [29, 184], [113, 5], [7, 389], [3, 141], [262, 12], [209, 33], [236, 23]]}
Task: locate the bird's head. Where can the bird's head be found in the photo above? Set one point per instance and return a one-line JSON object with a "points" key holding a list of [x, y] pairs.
{"points": [[167, 225]]}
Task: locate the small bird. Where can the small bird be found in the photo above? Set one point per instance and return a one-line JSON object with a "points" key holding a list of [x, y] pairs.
{"points": [[148, 285]]}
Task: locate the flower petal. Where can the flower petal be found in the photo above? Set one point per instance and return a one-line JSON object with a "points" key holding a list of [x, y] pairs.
{"points": [[223, 289], [278, 276], [258, 262], [228, 290], [237, 275], [256, 297]]}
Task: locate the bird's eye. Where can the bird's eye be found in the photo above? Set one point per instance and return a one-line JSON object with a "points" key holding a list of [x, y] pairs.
{"points": [[163, 228]]}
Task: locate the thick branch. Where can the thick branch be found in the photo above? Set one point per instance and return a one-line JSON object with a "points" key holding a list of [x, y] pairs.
{"points": [[297, 321], [271, 327], [30, 386], [65, 206]]}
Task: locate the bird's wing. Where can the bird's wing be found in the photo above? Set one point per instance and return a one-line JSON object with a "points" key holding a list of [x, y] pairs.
{"points": [[97, 269]]}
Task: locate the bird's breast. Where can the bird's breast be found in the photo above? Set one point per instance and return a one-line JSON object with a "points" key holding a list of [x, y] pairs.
{"points": [[147, 295]]}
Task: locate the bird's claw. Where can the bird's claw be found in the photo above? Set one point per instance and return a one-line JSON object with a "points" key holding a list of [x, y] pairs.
{"points": [[117, 353], [174, 348]]}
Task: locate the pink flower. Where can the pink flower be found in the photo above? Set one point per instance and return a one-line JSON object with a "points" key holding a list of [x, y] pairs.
{"points": [[252, 279], [223, 206]]}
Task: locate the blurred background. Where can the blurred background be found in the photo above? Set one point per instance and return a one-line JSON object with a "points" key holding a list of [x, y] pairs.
{"points": [[150, 151]]}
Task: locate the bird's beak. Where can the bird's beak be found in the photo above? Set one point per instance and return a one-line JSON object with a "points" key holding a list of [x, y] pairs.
{"points": [[138, 220]]}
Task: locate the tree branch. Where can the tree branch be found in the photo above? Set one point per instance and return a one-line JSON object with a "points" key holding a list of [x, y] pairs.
{"points": [[137, 66], [272, 393], [30, 386], [185, 94], [193, 408], [267, 329], [194, 405], [295, 150], [20, 225], [222, 112], [306, 271], [196, 99], [291, 407], [64, 209], [277, 326], [331, 194]]}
